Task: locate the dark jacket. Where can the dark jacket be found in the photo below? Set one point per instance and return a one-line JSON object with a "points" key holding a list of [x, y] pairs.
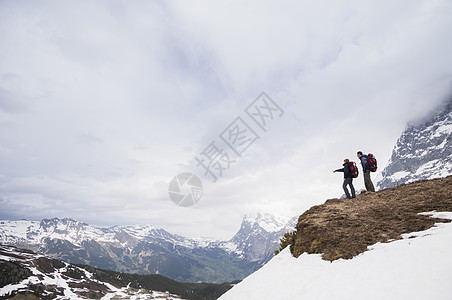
{"points": [[364, 163], [346, 170]]}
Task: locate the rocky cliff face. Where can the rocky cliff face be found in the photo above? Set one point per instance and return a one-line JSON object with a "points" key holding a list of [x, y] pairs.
{"points": [[259, 236], [423, 151]]}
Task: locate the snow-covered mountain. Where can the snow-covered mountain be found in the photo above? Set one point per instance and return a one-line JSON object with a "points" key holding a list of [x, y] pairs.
{"points": [[31, 233], [423, 151], [259, 235], [148, 250]]}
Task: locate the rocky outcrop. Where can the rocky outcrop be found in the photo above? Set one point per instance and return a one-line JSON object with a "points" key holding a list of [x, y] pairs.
{"points": [[344, 228]]}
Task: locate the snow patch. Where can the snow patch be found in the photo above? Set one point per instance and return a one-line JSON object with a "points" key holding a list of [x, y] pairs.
{"points": [[441, 130], [268, 222], [399, 175]]}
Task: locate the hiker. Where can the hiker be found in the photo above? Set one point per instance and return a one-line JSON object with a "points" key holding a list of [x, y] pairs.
{"points": [[366, 171], [349, 173]]}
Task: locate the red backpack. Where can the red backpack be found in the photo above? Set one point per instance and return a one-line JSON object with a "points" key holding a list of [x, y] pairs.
{"points": [[353, 169], [372, 162]]}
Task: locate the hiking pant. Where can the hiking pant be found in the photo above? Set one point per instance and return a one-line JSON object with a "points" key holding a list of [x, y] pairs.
{"points": [[368, 182], [348, 181]]}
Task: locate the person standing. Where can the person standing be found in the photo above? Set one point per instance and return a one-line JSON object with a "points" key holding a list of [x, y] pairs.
{"points": [[348, 179], [366, 171]]}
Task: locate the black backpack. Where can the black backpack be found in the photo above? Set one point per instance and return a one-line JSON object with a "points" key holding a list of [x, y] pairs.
{"points": [[372, 162], [353, 169]]}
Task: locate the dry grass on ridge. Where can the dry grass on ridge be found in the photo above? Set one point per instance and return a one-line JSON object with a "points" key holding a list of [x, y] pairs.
{"points": [[344, 228]]}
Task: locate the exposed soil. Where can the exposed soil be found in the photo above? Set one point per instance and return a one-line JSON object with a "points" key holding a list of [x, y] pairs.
{"points": [[47, 265], [344, 228]]}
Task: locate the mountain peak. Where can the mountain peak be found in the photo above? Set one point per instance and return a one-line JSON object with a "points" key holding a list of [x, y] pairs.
{"points": [[423, 151], [268, 222], [56, 221]]}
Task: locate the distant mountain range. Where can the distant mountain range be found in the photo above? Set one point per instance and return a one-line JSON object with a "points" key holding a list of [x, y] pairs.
{"points": [[149, 250], [423, 151]]}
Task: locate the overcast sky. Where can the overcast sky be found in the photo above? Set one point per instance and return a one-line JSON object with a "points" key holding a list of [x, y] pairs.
{"points": [[102, 103]]}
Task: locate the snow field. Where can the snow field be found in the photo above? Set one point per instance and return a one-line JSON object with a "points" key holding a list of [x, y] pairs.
{"points": [[416, 267]]}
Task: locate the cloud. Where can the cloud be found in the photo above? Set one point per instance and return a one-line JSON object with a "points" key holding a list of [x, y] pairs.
{"points": [[99, 113]]}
